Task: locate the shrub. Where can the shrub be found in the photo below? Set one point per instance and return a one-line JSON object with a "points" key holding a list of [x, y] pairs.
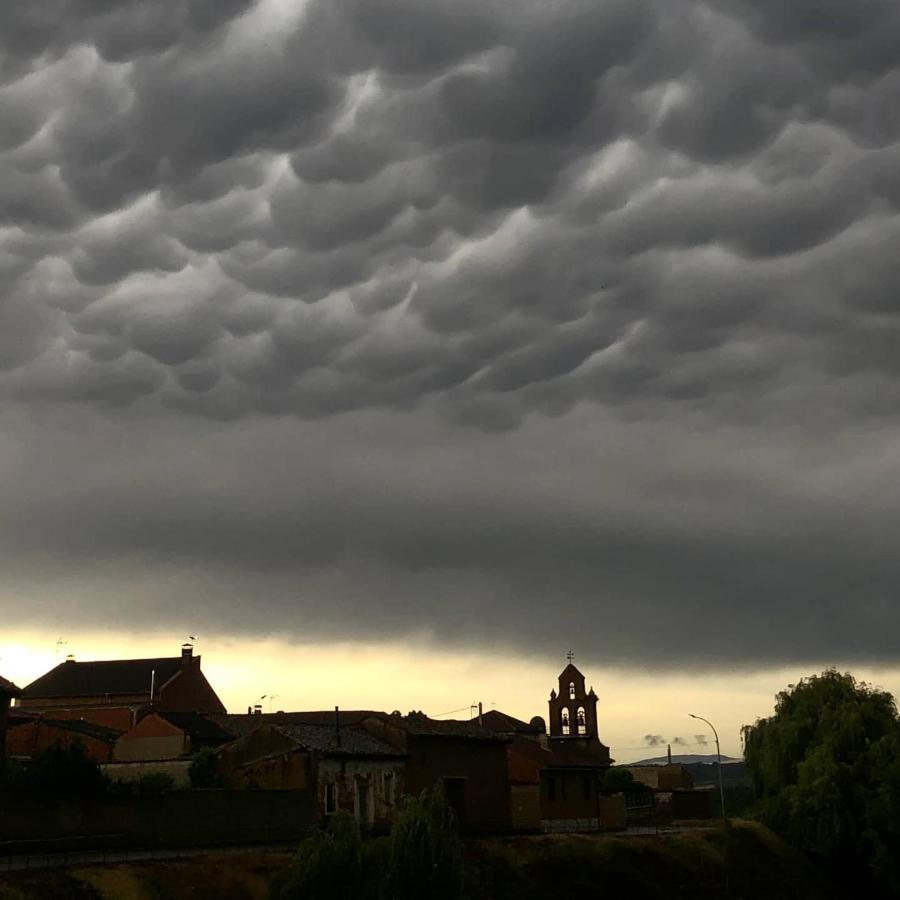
{"points": [[334, 864], [155, 784], [425, 860], [204, 770]]}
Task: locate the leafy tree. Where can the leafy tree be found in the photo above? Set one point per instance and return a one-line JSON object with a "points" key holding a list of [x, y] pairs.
{"points": [[826, 773], [204, 770], [62, 771], [332, 864], [426, 860], [621, 781]]}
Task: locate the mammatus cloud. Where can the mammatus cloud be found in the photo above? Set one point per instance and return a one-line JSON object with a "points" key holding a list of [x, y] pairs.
{"points": [[308, 208], [667, 227]]}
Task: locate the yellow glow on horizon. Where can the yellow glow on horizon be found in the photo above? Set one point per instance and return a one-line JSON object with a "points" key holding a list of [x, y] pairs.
{"points": [[419, 675]]}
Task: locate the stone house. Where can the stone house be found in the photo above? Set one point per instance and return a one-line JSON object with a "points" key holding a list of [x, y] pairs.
{"points": [[341, 764]]}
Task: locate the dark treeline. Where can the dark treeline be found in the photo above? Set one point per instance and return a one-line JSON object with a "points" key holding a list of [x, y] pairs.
{"points": [[826, 777]]}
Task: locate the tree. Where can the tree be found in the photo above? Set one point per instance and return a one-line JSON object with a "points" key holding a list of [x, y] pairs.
{"points": [[621, 781], [332, 864], [62, 771], [425, 860], [826, 773], [204, 770]]}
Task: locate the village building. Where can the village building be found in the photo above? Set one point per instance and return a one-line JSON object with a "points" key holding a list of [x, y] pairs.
{"points": [[27, 735], [340, 764], [527, 755], [8, 692], [467, 760], [169, 735], [117, 693]]}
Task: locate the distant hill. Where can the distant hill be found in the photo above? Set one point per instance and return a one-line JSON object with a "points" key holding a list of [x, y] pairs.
{"points": [[686, 759]]}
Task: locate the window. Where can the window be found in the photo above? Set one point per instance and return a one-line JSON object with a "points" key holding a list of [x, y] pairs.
{"points": [[330, 798], [388, 787], [564, 721], [571, 690], [581, 721]]}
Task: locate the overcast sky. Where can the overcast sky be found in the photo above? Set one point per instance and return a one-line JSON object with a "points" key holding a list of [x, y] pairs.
{"points": [[509, 324]]}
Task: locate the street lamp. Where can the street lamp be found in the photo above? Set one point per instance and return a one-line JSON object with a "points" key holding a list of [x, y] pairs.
{"points": [[719, 761]]}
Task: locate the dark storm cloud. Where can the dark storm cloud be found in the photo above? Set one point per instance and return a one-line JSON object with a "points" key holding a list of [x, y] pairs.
{"points": [[679, 215]]}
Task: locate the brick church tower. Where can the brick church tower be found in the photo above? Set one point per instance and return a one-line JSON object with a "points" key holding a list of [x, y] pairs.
{"points": [[573, 712]]}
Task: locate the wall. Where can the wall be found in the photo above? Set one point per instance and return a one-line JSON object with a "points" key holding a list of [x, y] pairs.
{"points": [[176, 769], [480, 764], [663, 778], [35, 736], [698, 804], [152, 738], [384, 780], [4, 718], [525, 807], [286, 771], [79, 703], [569, 794], [190, 692], [180, 818]]}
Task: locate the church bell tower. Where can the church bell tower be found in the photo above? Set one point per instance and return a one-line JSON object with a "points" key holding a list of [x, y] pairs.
{"points": [[573, 711]]}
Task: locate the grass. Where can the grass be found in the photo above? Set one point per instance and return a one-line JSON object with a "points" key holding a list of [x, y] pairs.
{"points": [[690, 865]]}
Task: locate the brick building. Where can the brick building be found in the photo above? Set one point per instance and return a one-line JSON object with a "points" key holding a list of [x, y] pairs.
{"points": [[8, 692], [115, 693], [28, 735], [169, 735], [468, 760]]}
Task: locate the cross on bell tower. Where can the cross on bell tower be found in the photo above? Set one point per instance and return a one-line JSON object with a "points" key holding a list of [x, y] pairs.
{"points": [[570, 655]]}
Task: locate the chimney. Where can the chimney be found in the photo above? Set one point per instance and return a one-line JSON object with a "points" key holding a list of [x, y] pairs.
{"points": [[249, 710], [480, 714], [337, 726], [257, 709], [669, 754], [70, 658], [187, 653]]}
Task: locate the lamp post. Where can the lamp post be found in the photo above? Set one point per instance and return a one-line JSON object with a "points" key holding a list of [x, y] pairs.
{"points": [[718, 760]]}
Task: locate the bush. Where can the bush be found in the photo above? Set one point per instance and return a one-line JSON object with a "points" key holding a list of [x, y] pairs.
{"points": [[334, 864], [59, 772], [204, 770], [426, 860], [155, 784]]}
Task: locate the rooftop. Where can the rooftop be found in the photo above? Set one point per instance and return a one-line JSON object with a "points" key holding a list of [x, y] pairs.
{"points": [[101, 677], [8, 688], [77, 726]]}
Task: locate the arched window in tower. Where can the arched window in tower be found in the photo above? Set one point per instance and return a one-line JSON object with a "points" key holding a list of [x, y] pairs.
{"points": [[580, 721], [571, 690], [564, 721]]}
